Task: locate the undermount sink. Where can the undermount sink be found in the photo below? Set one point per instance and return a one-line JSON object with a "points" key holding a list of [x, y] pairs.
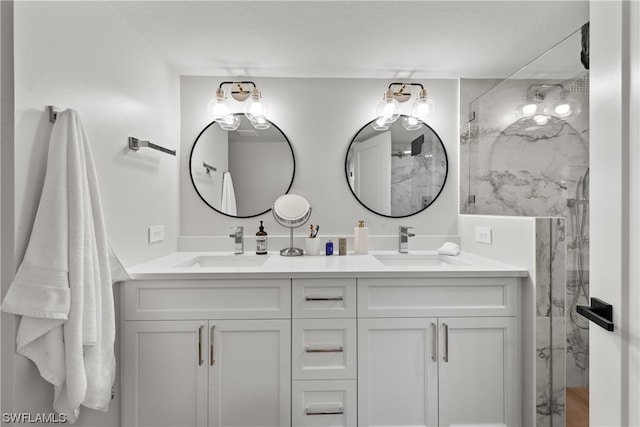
{"points": [[417, 260], [224, 261]]}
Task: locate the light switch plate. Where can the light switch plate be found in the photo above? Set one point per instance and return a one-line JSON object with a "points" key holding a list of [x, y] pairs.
{"points": [[156, 233], [483, 235]]}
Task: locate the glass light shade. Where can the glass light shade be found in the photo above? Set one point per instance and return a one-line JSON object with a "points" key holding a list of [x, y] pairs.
{"points": [[388, 109], [260, 123], [219, 107], [380, 124], [530, 107], [230, 122], [566, 107], [254, 107], [423, 107], [411, 123]]}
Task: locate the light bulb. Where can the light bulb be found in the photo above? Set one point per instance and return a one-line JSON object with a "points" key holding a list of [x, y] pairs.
{"points": [[529, 109], [423, 107], [230, 122], [411, 123], [254, 108], [532, 106], [219, 107], [388, 109]]}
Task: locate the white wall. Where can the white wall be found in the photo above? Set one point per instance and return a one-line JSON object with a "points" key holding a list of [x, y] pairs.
{"points": [[84, 55], [212, 149], [506, 230], [251, 163], [320, 117]]}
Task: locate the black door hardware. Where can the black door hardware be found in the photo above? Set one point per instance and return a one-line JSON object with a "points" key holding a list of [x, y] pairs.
{"points": [[599, 313]]}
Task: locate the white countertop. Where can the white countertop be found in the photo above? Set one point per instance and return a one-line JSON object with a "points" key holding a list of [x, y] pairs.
{"points": [[348, 266]]}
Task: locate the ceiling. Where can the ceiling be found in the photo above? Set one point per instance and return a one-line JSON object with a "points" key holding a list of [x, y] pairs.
{"points": [[353, 39]]}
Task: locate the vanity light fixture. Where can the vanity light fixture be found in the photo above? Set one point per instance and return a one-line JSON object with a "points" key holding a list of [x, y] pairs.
{"points": [[565, 107], [389, 109], [254, 108]]}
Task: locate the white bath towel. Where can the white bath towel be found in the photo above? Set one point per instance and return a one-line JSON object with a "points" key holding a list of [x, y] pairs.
{"points": [[228, 195], [63, 288]]}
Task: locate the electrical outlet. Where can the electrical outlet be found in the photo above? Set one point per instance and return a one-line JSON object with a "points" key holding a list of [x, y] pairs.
{"points": [[156, 233], [483, 235]]}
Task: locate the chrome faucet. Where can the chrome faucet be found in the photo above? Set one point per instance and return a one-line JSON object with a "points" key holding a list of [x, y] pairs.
{"points": [[404, 239], [238, 235]]}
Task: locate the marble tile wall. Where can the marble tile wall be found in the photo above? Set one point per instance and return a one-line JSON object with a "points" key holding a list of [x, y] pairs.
{"points": [[417, 180], [551, 346]]}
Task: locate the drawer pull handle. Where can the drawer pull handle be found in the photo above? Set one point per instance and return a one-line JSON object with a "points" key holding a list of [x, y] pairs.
{"points": [[211, 359], [200, 361], [434, 354], [313, 349], [339, 411], [446, 342], [324, 298]]}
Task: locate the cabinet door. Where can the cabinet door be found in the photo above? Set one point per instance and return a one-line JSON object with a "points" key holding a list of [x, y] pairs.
{"points": [[397, 372], [249, 373], [478, 371], [165, 374]]}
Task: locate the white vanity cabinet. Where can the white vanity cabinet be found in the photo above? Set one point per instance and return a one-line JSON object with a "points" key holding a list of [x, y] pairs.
{"points": [[207, 353], [315, 349], [438, 351]]}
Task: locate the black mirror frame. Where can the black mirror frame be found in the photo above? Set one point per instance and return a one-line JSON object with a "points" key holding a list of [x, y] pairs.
{"points": [[293, 174], [346, 171]]}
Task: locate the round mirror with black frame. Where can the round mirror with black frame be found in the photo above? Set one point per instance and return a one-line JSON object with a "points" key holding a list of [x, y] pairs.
{"points": [[240, 173], [396, 172]]}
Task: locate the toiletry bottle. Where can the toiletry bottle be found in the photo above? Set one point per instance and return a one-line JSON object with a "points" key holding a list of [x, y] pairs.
{"points": [[328, 248], [261, 241], [342, 246], [361, 239]]}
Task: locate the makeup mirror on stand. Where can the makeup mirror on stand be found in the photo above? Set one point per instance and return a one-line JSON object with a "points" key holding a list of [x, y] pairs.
{"points": [[291, 211]]}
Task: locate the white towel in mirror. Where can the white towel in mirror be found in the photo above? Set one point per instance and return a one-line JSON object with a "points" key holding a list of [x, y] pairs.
{"points": [[228, 195]]}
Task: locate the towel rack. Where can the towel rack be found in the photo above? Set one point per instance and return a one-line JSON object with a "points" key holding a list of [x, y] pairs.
{"points": [[135, 144], [209, 168], [53, 114]]}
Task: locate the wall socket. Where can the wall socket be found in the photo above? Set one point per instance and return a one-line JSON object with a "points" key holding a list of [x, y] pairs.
{"points": [[483, 235], [156, 233]]}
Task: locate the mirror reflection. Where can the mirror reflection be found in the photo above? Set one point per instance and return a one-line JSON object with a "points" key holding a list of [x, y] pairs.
{"points": [[397, 172], [240, 173]]}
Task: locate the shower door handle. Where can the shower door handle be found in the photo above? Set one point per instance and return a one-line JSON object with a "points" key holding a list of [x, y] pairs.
{"points": [[599, 312]]}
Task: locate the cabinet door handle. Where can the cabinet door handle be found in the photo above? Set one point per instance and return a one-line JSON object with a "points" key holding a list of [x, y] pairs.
{"points": [[200, 361], [434, 354], [338, 411], [319, 349], [340, 298], [211, 359], [446, 342]]}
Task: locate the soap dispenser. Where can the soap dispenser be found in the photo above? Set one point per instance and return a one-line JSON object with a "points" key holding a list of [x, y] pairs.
{"points": [[261, 241], [361, 239]]}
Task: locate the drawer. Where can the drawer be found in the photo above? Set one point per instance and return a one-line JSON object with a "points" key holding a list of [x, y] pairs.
{"points": [[323, 403], [324, 298], [207, 299], [324, 349], [435, 297]]}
